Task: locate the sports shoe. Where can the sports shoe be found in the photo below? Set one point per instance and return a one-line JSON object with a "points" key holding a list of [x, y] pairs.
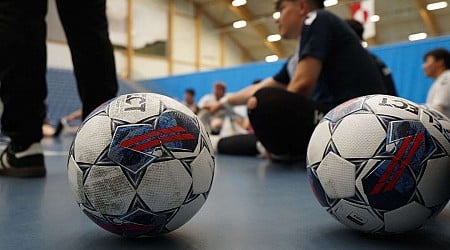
{"points": [[26, 163], [59, 127]]}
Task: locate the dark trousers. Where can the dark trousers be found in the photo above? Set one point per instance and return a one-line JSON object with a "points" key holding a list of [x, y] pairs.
{"points": [[284, 121], [23, 61]]}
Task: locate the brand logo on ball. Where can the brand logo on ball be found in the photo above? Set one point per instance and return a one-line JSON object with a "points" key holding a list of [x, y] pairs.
{"points": [[399, 104], [411, 146], [434, 117], [398, 164], [135, 102], [149, 140], [133, 146]]}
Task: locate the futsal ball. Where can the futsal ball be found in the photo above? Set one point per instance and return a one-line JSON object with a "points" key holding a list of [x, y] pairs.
{"points": [[141, 165], [381, 164]]}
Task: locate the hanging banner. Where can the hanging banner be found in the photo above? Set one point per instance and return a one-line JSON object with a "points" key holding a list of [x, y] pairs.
{"points": [[362, 11]]}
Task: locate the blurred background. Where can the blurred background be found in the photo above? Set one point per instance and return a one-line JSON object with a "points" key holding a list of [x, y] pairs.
{"points": [[166, 46]]}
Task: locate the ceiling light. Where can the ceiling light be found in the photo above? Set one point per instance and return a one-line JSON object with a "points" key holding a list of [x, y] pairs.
{"points": [[274, 38], [239, 24], [271, 58], [375, 18], [276, 15], [437, 5], [328, 3], [417, 36], [237, 3]]}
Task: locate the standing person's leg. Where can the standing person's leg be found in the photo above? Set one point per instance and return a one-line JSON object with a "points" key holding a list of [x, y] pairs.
{"points": [[23, 85], [11, 37], [86, 28], [284, 122]]}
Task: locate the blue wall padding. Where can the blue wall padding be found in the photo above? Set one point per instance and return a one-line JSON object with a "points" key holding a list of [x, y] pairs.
{"points": [[404, 59], [202, 82]]}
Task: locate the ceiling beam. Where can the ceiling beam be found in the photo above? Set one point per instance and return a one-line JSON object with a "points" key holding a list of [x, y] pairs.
{"points": [[427, 17], [217, 24], [244, 13]]}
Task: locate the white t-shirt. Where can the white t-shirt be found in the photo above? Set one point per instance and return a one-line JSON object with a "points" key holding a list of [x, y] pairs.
{"points": [[207, 99], [439, 94]]}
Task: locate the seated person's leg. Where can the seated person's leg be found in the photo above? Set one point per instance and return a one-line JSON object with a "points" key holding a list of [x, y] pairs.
{"points": [[284, 121], [244, 144]]}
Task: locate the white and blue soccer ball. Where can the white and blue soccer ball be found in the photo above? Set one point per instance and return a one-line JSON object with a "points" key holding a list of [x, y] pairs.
{"points": [[381, 164], [141, 165]]}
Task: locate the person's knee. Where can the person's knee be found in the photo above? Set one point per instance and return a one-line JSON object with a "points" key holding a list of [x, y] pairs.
{"points": [[252, 103]]}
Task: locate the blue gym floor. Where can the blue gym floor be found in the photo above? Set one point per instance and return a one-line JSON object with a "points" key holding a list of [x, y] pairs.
{"points": [[253, 204]]}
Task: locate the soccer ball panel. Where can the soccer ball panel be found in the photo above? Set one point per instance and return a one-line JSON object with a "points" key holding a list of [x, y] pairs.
{"points": [[186, 212], [178, 132], [174, 104], [108, 190], [436, 172], [134, 146], [365, 169], [345, 109], [357, 216], [408, 217], [165, 185], [358, 136], [436, 113], [393, 181], [438, 128], [202, 172], [316, 187], [389, 186], [337, 176], [320, 137], [92, 139], [203, 141], [76, 180]]}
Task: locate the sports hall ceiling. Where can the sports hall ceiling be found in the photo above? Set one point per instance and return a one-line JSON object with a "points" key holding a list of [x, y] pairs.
{"points": [[398, 19]]}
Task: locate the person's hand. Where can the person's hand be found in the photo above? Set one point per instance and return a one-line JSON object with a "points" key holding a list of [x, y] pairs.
{"points": [[213, 108], [206, 107]]}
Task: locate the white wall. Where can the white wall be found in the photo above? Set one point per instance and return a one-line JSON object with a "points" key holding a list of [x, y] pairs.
{"points": [[184, 47]]}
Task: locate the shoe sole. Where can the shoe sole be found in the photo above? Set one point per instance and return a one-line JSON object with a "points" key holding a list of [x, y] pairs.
{"points": [[24, 172]]}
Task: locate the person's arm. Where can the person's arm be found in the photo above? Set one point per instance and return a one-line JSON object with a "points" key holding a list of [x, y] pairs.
{"points": [[305, 77], [241, 97], [74, 115]]}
